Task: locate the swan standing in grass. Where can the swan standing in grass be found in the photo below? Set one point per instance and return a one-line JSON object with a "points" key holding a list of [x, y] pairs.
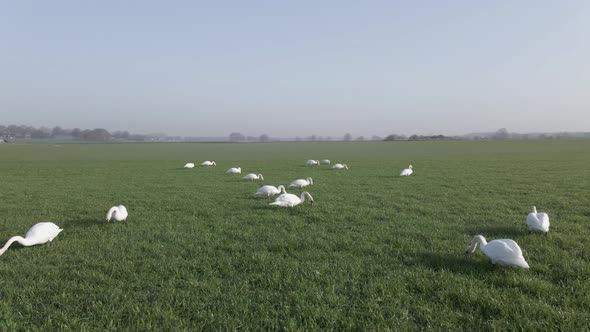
{"points": [[300, 183], [253, 177], [38, 234], [326, 161], [501, 252], [189, 165], [270, 190], [340, 166], [208, 163], [312, 162], [290, 200], [538, 221], [407, 172], [119, 213], [234, 170]]}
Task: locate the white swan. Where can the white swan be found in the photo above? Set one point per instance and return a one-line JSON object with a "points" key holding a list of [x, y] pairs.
{"points": [[253, 177], [326, 161], [502, 252], [189, 165], [290, 200], [300, 183], [119, 213], [340, 166], [312, 162], [234, 170], [208, 163], [538, 221], [407, 172], [38, 234], [270, 190]]}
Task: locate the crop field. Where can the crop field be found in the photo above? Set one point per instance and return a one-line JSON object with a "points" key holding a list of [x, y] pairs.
{"points": [[376, 251]]}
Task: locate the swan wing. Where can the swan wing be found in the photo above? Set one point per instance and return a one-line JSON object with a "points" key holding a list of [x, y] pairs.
{"points": [[538, 222], [43, 232]]}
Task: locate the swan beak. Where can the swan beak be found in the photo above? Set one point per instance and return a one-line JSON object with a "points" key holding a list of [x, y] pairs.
{"points": [[312, 201], [108, 221]]}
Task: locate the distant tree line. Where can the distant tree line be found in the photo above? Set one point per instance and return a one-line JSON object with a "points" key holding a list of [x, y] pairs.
{"points": [[395, 137], [11, 132]]}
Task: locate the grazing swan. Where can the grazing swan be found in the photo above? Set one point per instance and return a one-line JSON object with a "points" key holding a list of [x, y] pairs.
{"points": [[538, 221], [189, 165], [326, 161], [407, 172], [234, 170], [502, 252], [119, 213], [340, 166], [290, 200], [38, 234], [208, 163], [312, 162], [300, 183], [253, 177], [270, 190]]}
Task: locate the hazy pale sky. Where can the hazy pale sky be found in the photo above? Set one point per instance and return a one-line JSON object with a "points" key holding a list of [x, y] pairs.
{"points": [[287, 68]]}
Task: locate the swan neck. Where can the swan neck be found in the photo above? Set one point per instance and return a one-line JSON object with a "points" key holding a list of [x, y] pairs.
{"points": [[303, 196], [111, 211], [534, 209], [13, 239], [481, 240]]}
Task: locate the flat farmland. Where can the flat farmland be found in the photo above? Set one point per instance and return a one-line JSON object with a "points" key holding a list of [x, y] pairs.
{"points": [[376, 251]]}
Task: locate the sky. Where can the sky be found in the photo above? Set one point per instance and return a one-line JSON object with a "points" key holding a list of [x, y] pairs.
{"points": [[296, 68]]}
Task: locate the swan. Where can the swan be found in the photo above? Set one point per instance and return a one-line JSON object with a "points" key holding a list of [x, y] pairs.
{"points": [[406, 172], [189, 165], [253, 177], [502, 252], [340, 166], [300, 183], [538, 221], [290, 200], [326, 161], [208, 163], [270, 190], [38, 234], [312, 162], [119, 213], [234, 170]]}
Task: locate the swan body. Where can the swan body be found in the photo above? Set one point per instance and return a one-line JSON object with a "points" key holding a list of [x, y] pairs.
{"points": [[234, 170], [208, 163], [118, 213], [300, 183], [326, 161], [40, 233], [290, 200], [538, 221], [253, 177], [189, 165], [501, 252], [270, 190], [407, 172], [312, 162], [340, 166]]}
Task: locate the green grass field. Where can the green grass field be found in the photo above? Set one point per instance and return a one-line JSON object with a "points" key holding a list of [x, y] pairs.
{"points": [[376, 252]]}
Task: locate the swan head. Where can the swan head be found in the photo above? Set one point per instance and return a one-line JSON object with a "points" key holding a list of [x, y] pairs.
{"points": [[410, 167], [474, 242]]}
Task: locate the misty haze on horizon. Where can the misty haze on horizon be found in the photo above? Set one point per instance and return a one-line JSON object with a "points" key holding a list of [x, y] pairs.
{"points": [[297, 69]]}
